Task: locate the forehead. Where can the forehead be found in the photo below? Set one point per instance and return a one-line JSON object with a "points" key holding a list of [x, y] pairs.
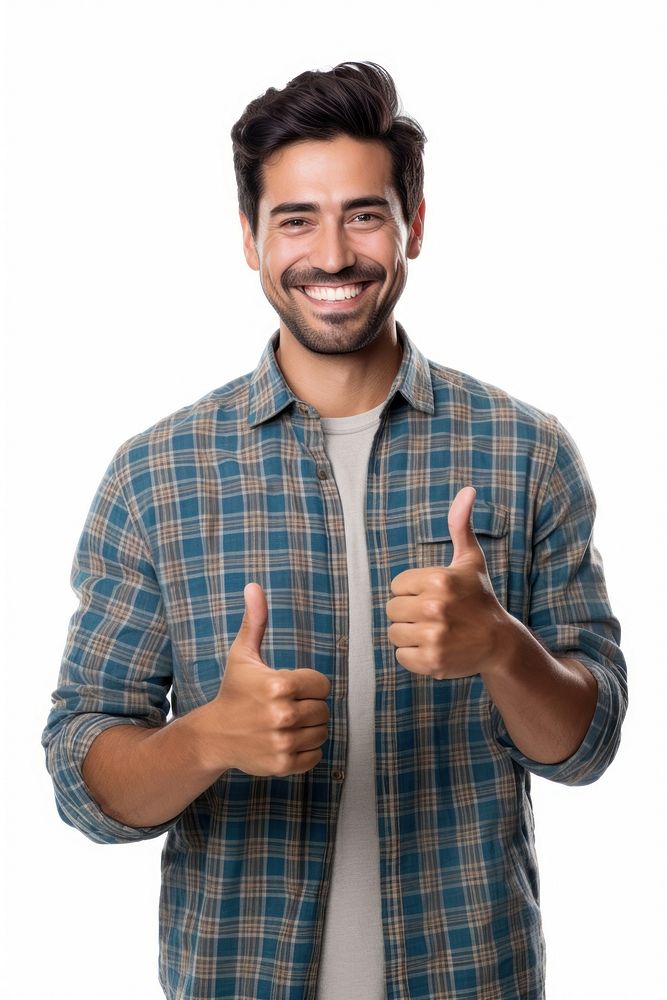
{"points": [[327, 170]]}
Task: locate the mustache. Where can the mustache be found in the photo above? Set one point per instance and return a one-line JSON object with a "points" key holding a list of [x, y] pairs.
{"points": [[295, 277]]}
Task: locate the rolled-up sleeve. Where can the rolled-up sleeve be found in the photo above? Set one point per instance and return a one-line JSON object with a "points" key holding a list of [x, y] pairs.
{"points": [[570, 612], [116, 667]]}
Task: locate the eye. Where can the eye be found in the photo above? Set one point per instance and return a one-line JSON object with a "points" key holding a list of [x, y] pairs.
{"points": [[293, 223], [367, 220]]}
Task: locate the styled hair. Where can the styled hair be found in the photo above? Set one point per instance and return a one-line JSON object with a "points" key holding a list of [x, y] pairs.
{"points": [[358, 99]]}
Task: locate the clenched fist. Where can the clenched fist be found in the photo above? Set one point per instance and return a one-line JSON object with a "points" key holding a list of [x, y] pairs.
{"points": [[270, 722], [447, 621]]}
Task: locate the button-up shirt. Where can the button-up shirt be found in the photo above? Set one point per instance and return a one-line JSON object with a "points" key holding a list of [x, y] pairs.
{"points": [[238, 488]]}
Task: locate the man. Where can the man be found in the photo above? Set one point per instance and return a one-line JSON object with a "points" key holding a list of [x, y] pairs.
{"points": [[370, 585]]}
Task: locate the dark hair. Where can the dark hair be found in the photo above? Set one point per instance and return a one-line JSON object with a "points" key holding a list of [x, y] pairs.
{"points": [[354, 98]]}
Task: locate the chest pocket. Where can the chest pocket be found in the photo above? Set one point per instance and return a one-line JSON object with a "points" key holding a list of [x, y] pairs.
{"points": [[491, 526]]}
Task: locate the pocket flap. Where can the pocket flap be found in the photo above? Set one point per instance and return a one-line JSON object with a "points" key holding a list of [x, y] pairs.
{"points": [[487, 519]]}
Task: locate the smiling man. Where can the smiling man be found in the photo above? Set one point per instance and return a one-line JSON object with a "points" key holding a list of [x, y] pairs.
{"points": [[368, 585]]}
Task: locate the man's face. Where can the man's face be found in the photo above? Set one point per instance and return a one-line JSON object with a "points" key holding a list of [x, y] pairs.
{"points": [[332, 245]]}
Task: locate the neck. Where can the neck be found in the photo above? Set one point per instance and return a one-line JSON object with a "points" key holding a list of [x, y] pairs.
{"points": [[341, 385]]}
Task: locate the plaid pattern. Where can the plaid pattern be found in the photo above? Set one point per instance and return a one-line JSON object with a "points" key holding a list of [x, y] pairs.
{"points": [[237, 487]]}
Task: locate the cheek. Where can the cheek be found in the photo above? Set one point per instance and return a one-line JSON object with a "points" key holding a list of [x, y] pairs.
{"points": [[276, 262], [272, 270], [395, 257], [399, 270]]}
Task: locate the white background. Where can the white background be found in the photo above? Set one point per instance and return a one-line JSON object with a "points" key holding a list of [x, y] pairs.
{"points": [[127, 296]]}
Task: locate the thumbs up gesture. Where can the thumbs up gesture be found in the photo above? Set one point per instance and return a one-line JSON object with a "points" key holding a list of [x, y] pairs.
{"points": [[447, 621], [268, 722]]}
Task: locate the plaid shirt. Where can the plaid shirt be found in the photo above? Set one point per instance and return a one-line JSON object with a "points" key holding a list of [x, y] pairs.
{"points": [[238, 487]]}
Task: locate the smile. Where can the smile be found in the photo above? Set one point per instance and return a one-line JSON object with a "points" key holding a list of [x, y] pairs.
{"points": [[327, 293]]}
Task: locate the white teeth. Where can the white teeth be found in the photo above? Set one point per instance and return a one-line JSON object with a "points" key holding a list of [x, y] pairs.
{"points": [[329, 294]]}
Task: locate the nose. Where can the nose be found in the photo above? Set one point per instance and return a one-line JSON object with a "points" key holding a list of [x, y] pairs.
{"points": [[331, 250]]}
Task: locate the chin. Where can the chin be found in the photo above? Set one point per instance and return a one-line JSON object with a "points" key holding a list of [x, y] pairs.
{"points": [[334, 340]]}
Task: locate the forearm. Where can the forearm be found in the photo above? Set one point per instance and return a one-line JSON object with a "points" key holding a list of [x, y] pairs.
{"points": [[546, 703], [144, 777]]}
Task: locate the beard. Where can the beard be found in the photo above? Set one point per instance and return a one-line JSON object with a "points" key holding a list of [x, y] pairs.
{"points": [[336, 332]]}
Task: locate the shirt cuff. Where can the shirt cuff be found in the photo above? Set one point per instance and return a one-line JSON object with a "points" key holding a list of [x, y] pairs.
{"points": [[65, 755], [599, 746]]}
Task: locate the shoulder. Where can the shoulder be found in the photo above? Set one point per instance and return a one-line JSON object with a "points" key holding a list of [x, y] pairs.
{"points": [[512, 426], [500, 422], [515, 434], [185, 438], [491, 409], [450, 384]]}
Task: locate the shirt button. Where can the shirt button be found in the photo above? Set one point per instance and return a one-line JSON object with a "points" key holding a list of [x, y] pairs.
{"points": [[342, 642], [302, 408], [337, 775], [322, 473]]}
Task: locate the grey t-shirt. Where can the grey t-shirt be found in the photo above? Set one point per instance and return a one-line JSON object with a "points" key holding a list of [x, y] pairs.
{"points": [[352, 961]]}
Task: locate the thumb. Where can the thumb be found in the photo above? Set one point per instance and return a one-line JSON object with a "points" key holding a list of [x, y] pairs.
{"points": [[253, 626], [463, 537]]}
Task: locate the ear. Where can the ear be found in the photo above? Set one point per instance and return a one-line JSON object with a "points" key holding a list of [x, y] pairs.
{"points": [[416, 232], [249, 248]]}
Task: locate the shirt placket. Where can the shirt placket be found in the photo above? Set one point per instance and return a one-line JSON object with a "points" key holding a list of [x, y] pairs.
{"points": [[308, 429], [386, 757]]}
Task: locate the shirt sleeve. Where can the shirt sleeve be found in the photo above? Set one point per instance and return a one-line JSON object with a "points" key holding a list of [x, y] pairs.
{"points": [[570, 613], [116, 668]]}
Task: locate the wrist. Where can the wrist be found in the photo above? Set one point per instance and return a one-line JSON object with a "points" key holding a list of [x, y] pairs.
{"points": [[199, 733], [508, 646]]}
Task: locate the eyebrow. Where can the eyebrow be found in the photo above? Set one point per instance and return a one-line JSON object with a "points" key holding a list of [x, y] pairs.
{"points": [[294, 207]]}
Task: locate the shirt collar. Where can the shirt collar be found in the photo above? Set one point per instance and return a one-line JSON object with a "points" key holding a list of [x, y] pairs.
{"points": [[270, 393]]}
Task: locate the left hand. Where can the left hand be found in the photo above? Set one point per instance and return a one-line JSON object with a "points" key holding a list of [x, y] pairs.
{"points": [[447, 620]]}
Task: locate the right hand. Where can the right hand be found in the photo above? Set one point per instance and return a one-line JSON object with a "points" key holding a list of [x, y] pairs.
{"points": [[270, 722]]}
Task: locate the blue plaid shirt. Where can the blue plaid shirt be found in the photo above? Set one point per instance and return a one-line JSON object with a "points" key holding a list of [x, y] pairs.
{"points": [[238, 487]]}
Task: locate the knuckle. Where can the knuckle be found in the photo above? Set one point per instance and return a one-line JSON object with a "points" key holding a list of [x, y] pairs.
{"points": [[433, 607], [283, 743], [285, 718], [438, 633], [280, 686], [285, 765], [433, 659]]}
